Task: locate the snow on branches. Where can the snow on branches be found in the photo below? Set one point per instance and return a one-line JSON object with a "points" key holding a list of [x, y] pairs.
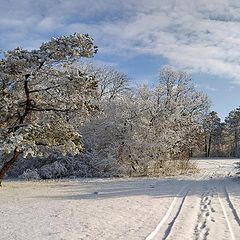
{"points": [[39, 89]]}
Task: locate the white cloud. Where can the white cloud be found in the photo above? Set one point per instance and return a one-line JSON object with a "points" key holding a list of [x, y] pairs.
{"points": [[199, 36]]}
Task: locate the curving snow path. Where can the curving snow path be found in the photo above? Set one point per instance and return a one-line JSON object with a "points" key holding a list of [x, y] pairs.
{"points": [[203, 206]]}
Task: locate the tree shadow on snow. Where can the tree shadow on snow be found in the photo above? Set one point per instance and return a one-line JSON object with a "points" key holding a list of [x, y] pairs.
{"points": [[156, 188]]}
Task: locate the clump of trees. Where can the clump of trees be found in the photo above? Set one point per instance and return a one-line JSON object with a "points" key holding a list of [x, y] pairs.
{"points": [[71, 118], [222, 139]]}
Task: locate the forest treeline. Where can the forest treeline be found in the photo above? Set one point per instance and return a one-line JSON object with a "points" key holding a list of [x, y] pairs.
{"points": [[221, 139], [61, 117]]}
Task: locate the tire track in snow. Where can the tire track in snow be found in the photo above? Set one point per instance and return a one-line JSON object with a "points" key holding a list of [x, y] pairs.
{"points": [[233, 209], [226, 218], [229, 211], [175, 204], [182, 194], [170, 225]]}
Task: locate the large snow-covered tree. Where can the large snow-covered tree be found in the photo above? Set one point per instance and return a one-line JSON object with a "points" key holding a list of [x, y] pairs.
{"points": [[171, 114], [39, 90]]}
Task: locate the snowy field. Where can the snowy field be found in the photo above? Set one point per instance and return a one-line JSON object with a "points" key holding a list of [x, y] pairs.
{"points": [[203, 206]]}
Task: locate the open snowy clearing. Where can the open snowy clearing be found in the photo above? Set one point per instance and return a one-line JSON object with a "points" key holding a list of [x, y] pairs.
{"points": [[203, 206]]}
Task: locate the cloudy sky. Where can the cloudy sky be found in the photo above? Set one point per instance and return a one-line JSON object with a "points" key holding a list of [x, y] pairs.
{"points": [[139, 36]]}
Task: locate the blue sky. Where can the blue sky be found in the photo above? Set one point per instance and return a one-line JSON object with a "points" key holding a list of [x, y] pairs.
{"points": [[139, 36]]}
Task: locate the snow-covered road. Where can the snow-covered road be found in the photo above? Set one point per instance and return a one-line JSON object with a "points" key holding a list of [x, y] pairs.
{"points": [[203, 206]]}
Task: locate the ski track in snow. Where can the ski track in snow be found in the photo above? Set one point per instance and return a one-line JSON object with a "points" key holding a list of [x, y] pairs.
{"points": [[199, 207], [177, 203], [206, 211], [227, 219], [163, 229], [230, 213], [234, 212]]}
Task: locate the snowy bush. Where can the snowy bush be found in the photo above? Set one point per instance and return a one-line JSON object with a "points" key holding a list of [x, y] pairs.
{"points": [[30, 175], [54, 170], [90, 165]]}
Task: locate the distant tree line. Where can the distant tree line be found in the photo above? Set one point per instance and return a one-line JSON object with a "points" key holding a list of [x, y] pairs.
{"points": [[221, 139]]}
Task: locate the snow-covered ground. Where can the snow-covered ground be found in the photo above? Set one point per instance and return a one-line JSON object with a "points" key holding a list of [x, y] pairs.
{"points": [[203, 206]]}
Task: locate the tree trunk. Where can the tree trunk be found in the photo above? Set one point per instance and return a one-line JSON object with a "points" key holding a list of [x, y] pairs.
{"points": [[209, 145], [206, 147], [8, 165], [190, 153], [235, 144]]}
